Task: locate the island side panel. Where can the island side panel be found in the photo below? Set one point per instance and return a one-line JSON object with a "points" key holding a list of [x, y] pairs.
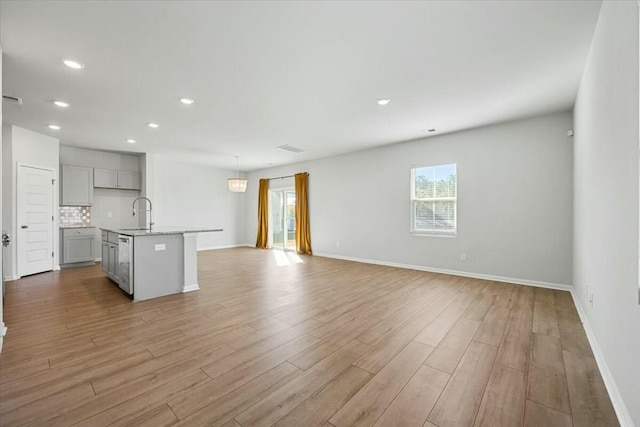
{"points": [[158, 270], [190, 262]]}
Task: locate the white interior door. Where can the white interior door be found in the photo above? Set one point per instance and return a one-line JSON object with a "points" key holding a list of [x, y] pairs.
{"points": [[35, 220]]}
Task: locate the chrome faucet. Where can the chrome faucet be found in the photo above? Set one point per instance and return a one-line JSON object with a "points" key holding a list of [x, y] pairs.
{"points": [[133, 206]]}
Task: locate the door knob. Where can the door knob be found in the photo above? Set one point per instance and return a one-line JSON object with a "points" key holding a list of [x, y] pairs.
{"points": [[25, 226]]}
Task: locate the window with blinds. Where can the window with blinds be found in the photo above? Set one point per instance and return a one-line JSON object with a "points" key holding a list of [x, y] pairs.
{"points": [[433, 199]]}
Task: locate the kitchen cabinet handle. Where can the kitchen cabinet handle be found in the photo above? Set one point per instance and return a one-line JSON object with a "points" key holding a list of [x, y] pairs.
{"points": [[24, 226]]}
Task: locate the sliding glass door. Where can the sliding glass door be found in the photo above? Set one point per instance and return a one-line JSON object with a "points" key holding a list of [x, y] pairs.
{"points": [[283, 219]]}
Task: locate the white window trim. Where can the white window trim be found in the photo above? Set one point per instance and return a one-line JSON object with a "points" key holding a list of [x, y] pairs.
{"points": [[431, 233]]}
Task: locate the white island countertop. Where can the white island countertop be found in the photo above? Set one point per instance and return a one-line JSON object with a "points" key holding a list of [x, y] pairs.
{"points": [[159, 230]]}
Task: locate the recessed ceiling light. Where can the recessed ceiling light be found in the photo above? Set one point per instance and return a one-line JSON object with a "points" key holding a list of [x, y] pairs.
{"points": [[153, 125], [54, 127], [383, 101], [187, 101], [73, 64], [61, 104], [131, 141]]}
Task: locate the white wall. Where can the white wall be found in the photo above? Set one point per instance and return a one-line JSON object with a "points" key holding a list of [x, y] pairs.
{"points": [[34, 149], [606, 201], [2, 328], [191, 195], [111, 208], [514, 202]]}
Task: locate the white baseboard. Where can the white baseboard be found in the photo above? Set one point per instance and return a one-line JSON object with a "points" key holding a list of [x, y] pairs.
{"points": [[99, 259], [558, 286], [191, 288], [11, 278], [213, 248], [624, 417], [56, 268], [3, 332]]}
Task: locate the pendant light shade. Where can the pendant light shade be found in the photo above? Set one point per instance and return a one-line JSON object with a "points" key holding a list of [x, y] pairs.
{"points": [[237, 185]]}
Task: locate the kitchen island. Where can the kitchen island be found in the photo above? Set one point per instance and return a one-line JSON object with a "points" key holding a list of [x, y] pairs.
{"points": [[149, 263]]}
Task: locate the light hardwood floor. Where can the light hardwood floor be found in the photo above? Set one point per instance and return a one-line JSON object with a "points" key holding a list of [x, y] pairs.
{"points": [[318, 342]]}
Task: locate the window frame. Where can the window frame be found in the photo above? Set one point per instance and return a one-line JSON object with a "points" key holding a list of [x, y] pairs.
{"points": [[412, 203]]}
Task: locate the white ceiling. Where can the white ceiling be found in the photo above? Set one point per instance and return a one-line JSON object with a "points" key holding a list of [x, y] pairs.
{"points": [[264, 74]]}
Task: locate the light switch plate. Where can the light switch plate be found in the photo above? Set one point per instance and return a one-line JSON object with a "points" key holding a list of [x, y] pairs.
{"points": [[160, 247]]}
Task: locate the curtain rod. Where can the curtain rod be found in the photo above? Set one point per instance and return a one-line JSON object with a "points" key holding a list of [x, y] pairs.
{"points": [[282, 177]]}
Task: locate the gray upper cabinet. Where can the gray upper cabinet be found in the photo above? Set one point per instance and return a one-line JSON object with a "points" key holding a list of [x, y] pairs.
{"points": [[105, 178], [111, 178], [77, 186], [129, 180]]}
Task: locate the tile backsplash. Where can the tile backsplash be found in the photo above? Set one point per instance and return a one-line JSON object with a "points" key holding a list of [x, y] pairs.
{"points": [[75, 215]]}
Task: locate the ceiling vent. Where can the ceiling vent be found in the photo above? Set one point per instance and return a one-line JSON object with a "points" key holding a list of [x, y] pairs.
{"points": [[12, 99], [287, 147]]}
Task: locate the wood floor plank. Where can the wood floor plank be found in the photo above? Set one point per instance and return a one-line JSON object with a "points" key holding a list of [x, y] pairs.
{"points": [[51, 382], [188, 403], [441, 325], [480, 306], [503, 403], [372, 400], [133, 408], [275, 406], [37, 408], [416, 400], [547, 380], [590, 402], [448, 353], [493, 326], [312, 355], [256, 350], [572, 334], [224, 409], [545, 320], [459, 402], [161, 416], [515, 348], [322, 404], [82, 410], [243, 340], [537, 415]]}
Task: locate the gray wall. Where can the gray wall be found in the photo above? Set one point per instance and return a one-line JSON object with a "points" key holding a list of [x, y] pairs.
{"points": [[30, 148], [191, 195], [606, 199], [2, 207], [514, 202]]}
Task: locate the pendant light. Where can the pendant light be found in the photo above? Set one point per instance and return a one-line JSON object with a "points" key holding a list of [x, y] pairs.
{"points": [[237, 185]]}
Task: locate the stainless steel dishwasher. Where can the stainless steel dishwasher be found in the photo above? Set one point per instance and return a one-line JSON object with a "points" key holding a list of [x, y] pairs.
{"points": [[125, 263]]}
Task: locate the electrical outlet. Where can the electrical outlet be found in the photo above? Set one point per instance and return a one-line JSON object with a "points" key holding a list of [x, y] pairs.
{"points": [[463, 256], [160, 247], [591, 300]]}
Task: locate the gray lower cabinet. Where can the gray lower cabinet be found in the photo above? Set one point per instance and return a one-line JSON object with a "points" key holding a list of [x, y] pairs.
{"points": [[77, 186], [110, 254], [77, 245]]}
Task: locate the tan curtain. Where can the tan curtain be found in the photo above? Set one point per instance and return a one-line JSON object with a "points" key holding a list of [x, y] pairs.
{"points": [[303, 232], [263, 214]]}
